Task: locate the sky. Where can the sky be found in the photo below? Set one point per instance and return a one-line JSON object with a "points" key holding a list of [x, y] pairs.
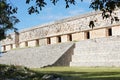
{"points": [[49, 13]]}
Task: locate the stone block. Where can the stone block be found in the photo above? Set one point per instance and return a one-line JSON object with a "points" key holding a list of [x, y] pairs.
{"points": [[32, 43], [64, 38], [98, 33], [116, 30], [54, 40], [14, 46], [42, 42], [78, 36], [22, 45], [42, 56], [8, 47], [3, 49]]}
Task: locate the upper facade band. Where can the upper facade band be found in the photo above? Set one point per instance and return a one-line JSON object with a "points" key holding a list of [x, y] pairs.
{"points": [[70, 25]]}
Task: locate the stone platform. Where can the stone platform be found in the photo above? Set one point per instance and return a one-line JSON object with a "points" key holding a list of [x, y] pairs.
{"points": [[42, 56], [97, 52]]}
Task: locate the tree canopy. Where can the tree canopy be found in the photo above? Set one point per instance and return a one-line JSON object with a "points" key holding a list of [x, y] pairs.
{"points": [[7, 18], [7, 11]]}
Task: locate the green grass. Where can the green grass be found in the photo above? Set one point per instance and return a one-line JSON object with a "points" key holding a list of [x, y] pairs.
{"points": [[78, 73], [67, 73]]}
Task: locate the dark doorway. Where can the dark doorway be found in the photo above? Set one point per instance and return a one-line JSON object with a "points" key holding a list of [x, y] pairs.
{"points": [[59, 39], [4, 48], [69, 37], [109, 32], [26, 44], [48, 41], [87, 35], [11, 46], [37, 42]]}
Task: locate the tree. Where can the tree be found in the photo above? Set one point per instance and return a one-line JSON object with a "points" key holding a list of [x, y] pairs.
{"points": [[107, 6], [7, 18]]}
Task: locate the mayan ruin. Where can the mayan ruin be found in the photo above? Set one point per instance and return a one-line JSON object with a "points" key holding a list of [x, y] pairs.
{"points": [[66, 42]]}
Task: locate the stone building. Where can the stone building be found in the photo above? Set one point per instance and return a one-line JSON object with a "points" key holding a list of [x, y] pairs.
{"points": [[98, 39], [65, 30]]}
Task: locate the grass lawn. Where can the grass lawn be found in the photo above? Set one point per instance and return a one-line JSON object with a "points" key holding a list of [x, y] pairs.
{"points": [[78, 73], [66, 73]]}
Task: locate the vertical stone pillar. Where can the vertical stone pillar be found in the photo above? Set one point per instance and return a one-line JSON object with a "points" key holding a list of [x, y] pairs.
{"points": [[14, 46], [64, 38], [8, 47], [43, 41], [23, 44], [116, 30], [54, 40], [3, 48], [98, 33], [78, 36], [33, 43]]}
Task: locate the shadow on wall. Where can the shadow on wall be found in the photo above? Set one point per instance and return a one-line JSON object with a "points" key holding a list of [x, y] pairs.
{"points": [[66, 58]]}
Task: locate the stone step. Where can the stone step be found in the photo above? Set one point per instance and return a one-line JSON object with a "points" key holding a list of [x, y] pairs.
{"points": [[96, 50], [101, 40], [88, 45], [115, 63], [96, 56], [110, 38], [110, 54], [38, 56], [98, 47], [93, 59], [79, 52], [79, 58]]}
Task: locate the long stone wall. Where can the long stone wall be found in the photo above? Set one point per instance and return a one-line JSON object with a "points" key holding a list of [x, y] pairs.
{"points": [[71, 25], [65, 30], [100, 52]]}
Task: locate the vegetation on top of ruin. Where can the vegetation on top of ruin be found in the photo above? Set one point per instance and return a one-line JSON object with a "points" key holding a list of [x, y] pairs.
{"points": [[8, 19]]}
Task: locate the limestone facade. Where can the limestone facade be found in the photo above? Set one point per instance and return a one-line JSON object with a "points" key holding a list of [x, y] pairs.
{"points": [[65, 30]]}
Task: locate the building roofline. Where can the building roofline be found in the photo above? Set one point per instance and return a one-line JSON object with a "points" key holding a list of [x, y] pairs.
{"points": [[62, 21]]}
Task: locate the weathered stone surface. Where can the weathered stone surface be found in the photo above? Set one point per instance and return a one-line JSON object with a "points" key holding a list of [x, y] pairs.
{"points": [[77, 24], [97, 52], [91, 52], [38, 57], [94, 50], [70, 25]]}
